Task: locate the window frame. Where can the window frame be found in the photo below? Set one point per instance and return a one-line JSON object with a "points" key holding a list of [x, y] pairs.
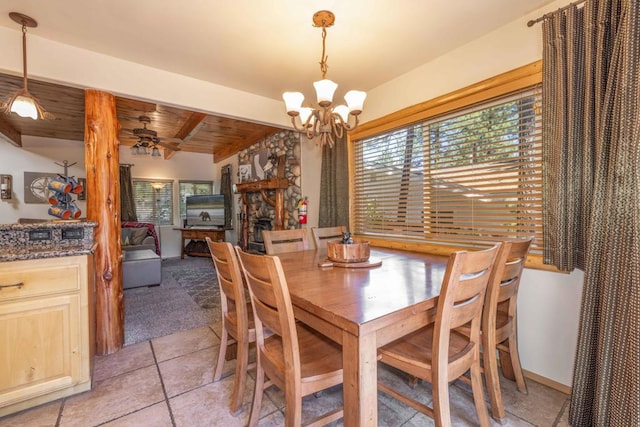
{"points": [[152, 181], [504, 84]]}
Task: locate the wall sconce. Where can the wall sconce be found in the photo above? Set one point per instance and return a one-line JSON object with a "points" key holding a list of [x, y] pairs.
{"points": [[5, 187]]}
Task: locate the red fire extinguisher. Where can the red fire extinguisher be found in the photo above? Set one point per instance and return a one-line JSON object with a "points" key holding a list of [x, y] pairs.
{"points": [[302, 211]]}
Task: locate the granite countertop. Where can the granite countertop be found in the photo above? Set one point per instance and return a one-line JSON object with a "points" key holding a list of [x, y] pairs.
{"points": [[46, 240], [17, 254]]}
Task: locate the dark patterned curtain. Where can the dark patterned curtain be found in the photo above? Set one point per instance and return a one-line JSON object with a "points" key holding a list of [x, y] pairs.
{"points": [[591, 135], [225, 188], [334, 185], [127, 204]]}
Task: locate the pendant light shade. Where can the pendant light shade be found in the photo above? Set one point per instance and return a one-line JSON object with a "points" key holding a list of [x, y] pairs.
{"points": [[22, 102]]}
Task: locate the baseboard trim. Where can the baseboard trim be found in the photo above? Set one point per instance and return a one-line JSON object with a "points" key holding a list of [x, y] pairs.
{"points": [[546, 381]]}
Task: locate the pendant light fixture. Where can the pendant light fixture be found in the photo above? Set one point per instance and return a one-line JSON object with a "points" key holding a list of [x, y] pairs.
{"points": [[22, 102], [324, 122]]}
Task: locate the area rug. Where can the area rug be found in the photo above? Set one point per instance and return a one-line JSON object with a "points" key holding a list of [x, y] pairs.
{"points": [[187, 298]]}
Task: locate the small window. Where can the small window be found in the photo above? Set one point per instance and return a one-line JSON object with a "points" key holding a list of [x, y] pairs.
{"points": [[154, 200], [192, 188]]}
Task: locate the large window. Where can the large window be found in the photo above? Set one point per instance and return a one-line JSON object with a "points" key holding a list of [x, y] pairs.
{"points": [[190, 188], [154, 200], [469, 176]]}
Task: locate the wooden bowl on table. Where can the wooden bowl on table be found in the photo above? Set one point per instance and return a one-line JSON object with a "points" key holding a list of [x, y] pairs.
{"points": [[347, 252]]}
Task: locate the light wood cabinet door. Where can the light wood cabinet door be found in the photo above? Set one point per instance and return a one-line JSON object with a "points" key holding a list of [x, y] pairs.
{"points": [[44, 352], [44, 331]]}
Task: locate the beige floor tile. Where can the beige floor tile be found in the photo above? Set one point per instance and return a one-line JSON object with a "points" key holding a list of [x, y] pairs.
{"points": [[42, 416], [208, 406], [187, 372], [528, 406], [183, 342], [156, 415], [128, 359], [112, 398]]}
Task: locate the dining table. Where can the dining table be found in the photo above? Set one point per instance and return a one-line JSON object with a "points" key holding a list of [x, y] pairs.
{"points": [[362, 308]]}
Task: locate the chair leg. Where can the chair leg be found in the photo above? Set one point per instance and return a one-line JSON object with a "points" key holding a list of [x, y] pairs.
{"points": [[240, 380], [258, 392], [441, 409], [292, 409], [221, 354], [493, 382], [514, 361], [478, 394]]}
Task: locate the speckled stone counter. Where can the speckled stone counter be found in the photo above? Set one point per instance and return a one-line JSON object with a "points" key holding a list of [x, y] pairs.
{"points": [[45, 240]]}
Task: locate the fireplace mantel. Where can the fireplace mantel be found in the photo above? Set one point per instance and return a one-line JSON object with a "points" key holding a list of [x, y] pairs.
{"points": [[277, 184]]}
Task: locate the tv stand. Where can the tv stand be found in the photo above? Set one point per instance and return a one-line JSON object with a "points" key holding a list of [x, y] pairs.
{"points": [[199, 234]]}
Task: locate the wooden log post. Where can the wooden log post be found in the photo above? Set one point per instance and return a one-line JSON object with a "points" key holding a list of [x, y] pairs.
{"points": [[103, 206]]}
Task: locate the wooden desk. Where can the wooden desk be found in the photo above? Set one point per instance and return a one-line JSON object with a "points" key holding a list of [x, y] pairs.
{"points": [[215, 234], [363, 309]]}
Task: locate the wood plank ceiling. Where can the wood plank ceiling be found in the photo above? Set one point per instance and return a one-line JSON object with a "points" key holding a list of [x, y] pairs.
{"points": [[200, 133]]}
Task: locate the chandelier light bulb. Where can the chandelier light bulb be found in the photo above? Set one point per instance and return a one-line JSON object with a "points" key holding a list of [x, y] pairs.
{"points": [[342, 111], [293, 102], [305, 113], [355, 101], [324, 91]]}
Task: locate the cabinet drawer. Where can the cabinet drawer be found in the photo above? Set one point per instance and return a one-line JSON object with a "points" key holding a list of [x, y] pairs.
{"points": [[28, 278]]}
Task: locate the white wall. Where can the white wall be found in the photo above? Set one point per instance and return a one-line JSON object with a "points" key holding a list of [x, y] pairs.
{"points": [[37, 155]]}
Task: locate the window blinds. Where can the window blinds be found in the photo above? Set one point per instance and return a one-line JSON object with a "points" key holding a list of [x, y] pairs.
{"points": [[470, 176]]}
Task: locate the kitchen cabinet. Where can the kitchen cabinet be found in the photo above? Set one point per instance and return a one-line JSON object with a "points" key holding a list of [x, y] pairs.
{"points": [[46, 329]]}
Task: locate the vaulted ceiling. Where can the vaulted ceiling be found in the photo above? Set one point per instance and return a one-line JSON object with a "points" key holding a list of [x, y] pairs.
{"points": [[262, 47]]}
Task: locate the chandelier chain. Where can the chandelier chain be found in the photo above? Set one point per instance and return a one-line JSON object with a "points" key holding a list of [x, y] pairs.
{"points": [[323, 59]]}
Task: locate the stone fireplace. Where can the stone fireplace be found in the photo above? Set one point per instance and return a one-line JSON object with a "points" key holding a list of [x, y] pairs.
{"points": [[269, 187]]}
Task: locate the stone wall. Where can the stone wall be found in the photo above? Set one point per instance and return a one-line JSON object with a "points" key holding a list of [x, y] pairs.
{"points": [[259, 162]]}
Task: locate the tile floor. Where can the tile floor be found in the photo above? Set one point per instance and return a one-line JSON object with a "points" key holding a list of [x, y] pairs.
{"points": [[167, 381]]}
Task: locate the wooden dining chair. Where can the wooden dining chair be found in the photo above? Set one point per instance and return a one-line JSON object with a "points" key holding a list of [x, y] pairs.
{"points": [[499, 328], [437, 353], [295, 358], [322, 234], [237, 318], [279, 241]]}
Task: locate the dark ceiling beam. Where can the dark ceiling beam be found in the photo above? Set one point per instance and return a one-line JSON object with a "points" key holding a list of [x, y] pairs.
{"points": [[188, 130], [10, 133]]}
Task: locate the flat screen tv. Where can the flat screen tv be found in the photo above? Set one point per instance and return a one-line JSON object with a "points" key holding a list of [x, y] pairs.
{"points": [[205, 210]]}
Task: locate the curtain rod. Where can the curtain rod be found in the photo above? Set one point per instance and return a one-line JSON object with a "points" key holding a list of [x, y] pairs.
{"points": [[127, 164], [547, 15]]}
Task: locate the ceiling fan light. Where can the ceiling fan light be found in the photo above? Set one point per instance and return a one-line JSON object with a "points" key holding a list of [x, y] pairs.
{"points": [[24, 106], [355, 101], [324, 91], [293, 102], [155, 152]]}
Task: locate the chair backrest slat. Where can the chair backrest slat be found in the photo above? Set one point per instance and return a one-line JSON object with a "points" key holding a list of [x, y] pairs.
{"points": [[280, 241], [321, 235]]}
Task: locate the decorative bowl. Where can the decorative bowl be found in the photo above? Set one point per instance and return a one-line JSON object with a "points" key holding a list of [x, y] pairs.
{"points": [[347, 252]]}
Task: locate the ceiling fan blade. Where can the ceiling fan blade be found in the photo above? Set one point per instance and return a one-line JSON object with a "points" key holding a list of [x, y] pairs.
{"points": [[178, 140], [167, 145]]}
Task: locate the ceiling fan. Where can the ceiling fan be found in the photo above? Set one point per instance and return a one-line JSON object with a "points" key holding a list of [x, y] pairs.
{"points": [[148, 140]]}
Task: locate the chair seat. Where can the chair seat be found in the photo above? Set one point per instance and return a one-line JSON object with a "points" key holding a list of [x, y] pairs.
{"points": [[416, 348], [319, 356], [504, 323]]}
